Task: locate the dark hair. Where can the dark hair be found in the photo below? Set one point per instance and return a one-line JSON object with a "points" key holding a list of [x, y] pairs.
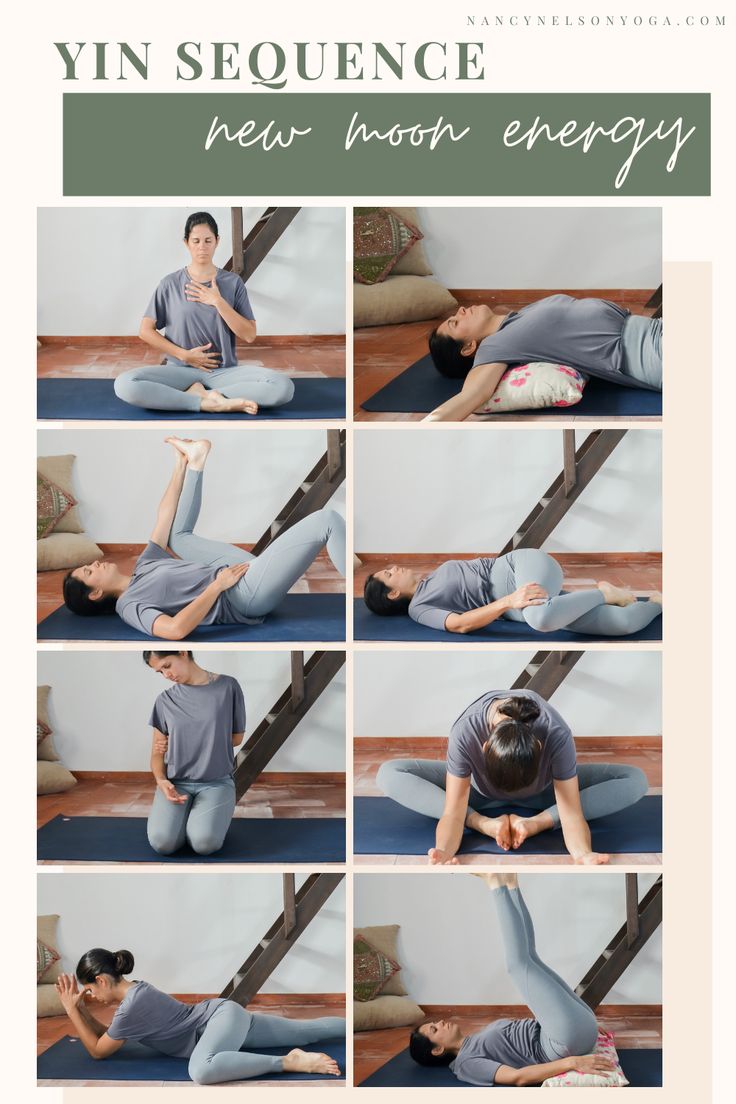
{"points": [[161, 655], [99, 961], [447, 356], [200, 218], [513, 750], [375, 596], [77, 599], [420, 1048]]}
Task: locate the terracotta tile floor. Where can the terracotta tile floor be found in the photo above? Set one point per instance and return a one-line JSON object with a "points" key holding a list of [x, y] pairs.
{"points": [[383, 352], [107, 357], [634, 1027], [640, 751], [320, 578], [53, 1028]]}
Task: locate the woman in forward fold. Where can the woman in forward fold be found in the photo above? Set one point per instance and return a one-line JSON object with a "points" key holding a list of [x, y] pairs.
{"points": [[511, 747], [197, 723], [599, 338], [209, 1033], [203, 310], [211, 582], [462, 596], [560, 1037]]}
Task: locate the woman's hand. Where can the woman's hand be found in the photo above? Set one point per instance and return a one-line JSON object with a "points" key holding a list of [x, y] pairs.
{"points": [[532, 594], [441, 858], [198, 357], [229, 576], [591, 1063], [170, 792], [69, 992], [160, 743], [202, 293]]}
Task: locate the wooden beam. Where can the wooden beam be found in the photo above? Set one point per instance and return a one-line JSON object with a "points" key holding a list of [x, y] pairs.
{"points": [[275, 944], [236, 220], [297, 680], [633, 927], [546, 671], [570, 470], [289, 889]]}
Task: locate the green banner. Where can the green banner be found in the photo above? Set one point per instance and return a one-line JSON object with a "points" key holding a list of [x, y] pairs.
{"points": [[413, 144]]}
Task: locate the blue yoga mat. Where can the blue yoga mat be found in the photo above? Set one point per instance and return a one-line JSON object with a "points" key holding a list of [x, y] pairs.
{"points": [[95, 400], [381, 827], [249, 840], [643, 1069], [300, 617], [420, 388], [369, 626], [67, 1060]]}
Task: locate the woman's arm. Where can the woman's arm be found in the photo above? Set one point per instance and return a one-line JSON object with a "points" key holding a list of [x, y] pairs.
{"points": [[158, 768], [479, 385], [243, 328], [574, 826], [530, 595], [92, 1033], [186, 620], [452, 822], [198, 357], [168, 504], [535, 1075]]}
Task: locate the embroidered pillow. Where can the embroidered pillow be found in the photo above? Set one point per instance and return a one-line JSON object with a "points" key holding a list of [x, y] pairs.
{"points": [[42, 731], [380, 240], [52, 503], [613, 1079], [45, 958], [534, 386], [372, 969]]}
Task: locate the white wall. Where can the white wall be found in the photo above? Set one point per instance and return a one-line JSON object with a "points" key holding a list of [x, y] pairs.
{"points": [[544, 247], [189, 933], [99, 266], [100, 703], [450, 944], [422, 693], [119, 478], [468, 492]]}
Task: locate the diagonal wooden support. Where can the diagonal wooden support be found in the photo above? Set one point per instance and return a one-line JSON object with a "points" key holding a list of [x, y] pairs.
{"points": [[656, 301], [546, 671], [313, 493], [300, 908], [249, 253], [642, 920], [312, 678], [579, 469]]}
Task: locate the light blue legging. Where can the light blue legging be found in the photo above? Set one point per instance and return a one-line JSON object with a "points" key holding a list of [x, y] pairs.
{"points": [[642, 345], [270, 575], [166, 386], [217, 1056], [419, 785], [568, 1024], [202, 822], [583, 611]]}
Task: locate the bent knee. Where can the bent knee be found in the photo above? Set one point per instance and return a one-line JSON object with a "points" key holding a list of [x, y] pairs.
{"points": [[283, 390], [206, 843], [638, 782], [163, 844], [387, 774], [332, 519], [202, 1073], [125, 386], [539, 618]]}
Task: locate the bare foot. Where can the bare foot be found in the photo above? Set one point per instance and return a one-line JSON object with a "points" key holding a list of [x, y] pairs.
{"points": [[656, 596], [616, 596], [214, 403], [300, 1061], [495, 881], [441, 858], [196, 389], [523, 828], [195, 452], [592, 858], [496, 828]]}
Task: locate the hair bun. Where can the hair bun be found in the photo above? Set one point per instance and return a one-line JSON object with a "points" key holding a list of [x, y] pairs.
{"points": [[520, 709], [124, 962]]}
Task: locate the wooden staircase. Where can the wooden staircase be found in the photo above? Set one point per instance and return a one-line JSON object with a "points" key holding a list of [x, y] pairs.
{"points": [[249, 252], [546, 671]]}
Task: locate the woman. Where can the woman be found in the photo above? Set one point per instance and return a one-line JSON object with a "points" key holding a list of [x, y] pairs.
{"points": [[209, 1033], [462, 596], [211, 583], [196, 724], [511, 747], [204, 311], [600, 339], [526, 1052]]}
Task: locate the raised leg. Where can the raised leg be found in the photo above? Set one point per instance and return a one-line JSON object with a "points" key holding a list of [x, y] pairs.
{"points": [[186, 543]]}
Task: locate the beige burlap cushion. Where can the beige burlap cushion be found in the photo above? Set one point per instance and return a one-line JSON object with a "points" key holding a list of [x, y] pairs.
{"points": [[385, 1012], [44, 743], [400, 299], [65, 550], [383, 937], [48, 1002], [46, 934], [58, 470], [53, 778]]}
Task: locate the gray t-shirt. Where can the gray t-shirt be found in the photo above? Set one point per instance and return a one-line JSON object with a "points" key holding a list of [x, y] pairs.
{"points": [[581, 333], [146, 1015], [455, 587], [162, 584], [470, 731], [199, 722], [513, 1043], [191, 324]]}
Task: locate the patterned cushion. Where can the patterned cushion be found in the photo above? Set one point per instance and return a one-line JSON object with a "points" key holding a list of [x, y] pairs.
{"points": [[534, 386], [380, 239], [371, 969], [52, 503], [42, 731], [45, 958], [614, 1079]]}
